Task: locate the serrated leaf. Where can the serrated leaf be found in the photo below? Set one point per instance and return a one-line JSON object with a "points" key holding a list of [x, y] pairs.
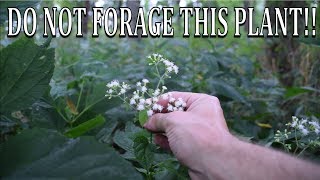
{"points": [[26, 70], [143, 117], [142, 151], [85, 127], [45, 154]]}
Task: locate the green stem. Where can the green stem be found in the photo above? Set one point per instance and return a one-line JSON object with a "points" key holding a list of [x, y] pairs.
{"points": [[296, 140], [303, 150], [85, 109], [79, 98]]}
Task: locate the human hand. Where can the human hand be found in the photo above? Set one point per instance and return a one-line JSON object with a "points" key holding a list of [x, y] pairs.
{"points": [[194, 134]]}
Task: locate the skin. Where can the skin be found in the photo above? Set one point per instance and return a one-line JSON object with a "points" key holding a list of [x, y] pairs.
{"points": [[200, 139]]}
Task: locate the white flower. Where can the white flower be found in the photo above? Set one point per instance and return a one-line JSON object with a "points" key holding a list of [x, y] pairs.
{"points": [[138, 84], [140, 107], [115, 83], [155, 107], [122, 91], [150, 112], [177, 103], [110, 91], [304, 131], [164, 88], [315, 124], [160, 108], [176, 69], [142, 101], [125, 86], [148, 102], [304, 121], [156, 92], [169, 68], [317, 131], [170, 107], [145, 81], [180, 109], [143, 89], [300, 126], [136, 96], [155, 99], [165, 96], [132, 101], [172, 99], [294, 124]]}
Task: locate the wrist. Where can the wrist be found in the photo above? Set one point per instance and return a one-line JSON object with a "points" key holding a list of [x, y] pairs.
{"points": [[212, 158]]}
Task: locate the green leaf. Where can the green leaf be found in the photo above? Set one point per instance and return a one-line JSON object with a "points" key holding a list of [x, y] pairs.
{"points": [[143, 117], [26, 70], [85, 127], [295, 91], [45, 154], [227, 90], [143, 151], [124, 139]]}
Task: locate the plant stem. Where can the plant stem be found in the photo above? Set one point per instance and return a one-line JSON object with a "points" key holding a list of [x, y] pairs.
{"points": [[303, 150], [85, 109], [79, 98], [296, 139]]}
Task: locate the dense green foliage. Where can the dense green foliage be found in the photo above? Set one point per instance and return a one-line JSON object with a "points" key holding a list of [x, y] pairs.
{"points": [[55, 121]]}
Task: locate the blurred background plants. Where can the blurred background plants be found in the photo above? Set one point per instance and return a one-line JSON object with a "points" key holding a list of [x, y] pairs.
{"points": [[59, 104]]}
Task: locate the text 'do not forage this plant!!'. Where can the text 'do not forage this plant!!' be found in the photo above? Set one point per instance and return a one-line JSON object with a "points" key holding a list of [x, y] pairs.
{"points": [[144, 98]]}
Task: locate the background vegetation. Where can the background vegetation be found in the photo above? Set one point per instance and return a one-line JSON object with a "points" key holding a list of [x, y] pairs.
{"points": [[56, 122]]}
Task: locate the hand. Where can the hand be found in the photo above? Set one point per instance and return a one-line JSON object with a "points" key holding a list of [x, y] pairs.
{"points": [[194, 134]]}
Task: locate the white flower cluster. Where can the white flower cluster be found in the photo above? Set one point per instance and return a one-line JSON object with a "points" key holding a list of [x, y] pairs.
{"points": [[155, 59], [144, 98], [304, 126], [116, 88]]}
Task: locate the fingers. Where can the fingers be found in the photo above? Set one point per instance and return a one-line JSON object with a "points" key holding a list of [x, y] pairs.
{"points": [[162, 141], [188, 97], [158, 122]]}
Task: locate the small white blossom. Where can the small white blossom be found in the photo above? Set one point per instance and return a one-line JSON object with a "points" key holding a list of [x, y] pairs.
{"points": [[145, 81], [148, 102], [144, 89], [172, 99], [138, 84], [170, 107], [156, 92], [150, 112], [160, 108], [132, 101], [110, 91], [165, 96], [140, 107], [304, 131], [177, 103], [155, 107], [142, 101], [122, 91], [155, 99]]}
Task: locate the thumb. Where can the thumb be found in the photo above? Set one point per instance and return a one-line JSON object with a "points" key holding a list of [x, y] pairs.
{"points": [[158, 123]]}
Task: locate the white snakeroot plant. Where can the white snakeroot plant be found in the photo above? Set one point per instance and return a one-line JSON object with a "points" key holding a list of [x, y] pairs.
{"points": [[144, 97], [305, 133]]}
